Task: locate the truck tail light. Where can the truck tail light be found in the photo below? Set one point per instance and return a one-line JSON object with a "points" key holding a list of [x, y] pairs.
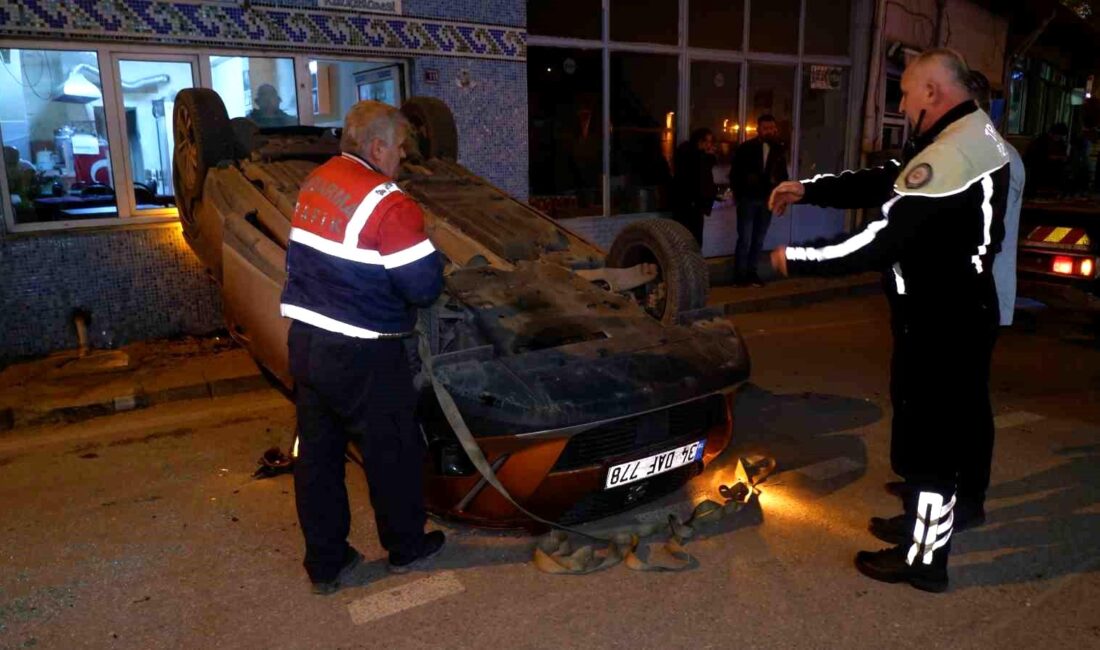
{"points": [[1087, 267], [1063, 265]]}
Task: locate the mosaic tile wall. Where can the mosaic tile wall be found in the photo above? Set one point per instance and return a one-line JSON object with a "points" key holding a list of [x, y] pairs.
{"points": [[492, 12], [146, 283], [137, 284], [290, 28], [489, 101]]}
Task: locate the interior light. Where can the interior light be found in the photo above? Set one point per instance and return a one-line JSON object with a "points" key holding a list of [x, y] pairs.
{"points": [[1087, 267], [1063, 265], [313, 67]]}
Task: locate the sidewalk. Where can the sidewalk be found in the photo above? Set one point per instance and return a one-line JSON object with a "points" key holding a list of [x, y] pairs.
{"points": [[64, 387]]}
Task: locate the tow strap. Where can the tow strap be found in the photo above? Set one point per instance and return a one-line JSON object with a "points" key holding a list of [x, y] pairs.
{"points": [[554, 552]]}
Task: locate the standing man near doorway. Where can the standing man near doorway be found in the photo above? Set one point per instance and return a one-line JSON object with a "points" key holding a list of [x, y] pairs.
{"points": [[759, 165], [358, 264]]}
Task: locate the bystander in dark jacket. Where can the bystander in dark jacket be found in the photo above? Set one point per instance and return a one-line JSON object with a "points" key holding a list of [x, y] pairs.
{"points": [[759, 165], [694, 190]]}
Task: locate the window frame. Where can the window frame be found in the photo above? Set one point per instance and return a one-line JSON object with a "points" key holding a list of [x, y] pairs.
{"points": [[687, 55], [107, 56]]}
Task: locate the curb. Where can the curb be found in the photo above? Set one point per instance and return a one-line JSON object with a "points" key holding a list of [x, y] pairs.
{"points": [[14, 418], [769, 303]]}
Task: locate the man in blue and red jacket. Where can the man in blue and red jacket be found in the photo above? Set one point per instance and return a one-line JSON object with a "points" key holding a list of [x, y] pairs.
{"points": [[358, 265]]}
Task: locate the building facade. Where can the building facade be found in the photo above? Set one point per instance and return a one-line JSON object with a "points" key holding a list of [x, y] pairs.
{"points": [[86, 122]]}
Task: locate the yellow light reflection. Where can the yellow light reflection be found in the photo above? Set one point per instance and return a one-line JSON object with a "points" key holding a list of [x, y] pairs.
{"points": [[668, 119]]}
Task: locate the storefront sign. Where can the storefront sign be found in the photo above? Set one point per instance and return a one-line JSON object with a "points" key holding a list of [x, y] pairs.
{"points": [[370, 6], [825, 77], [373, 6]]}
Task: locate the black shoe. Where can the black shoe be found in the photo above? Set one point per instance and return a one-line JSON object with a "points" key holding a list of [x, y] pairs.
{"points": [[892, 530], [900, 489], [756, 281], [968, 515], [430, 546], [888, 565], [327, 587]]}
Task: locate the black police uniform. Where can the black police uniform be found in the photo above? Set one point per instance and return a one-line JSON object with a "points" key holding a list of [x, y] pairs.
{"points": [[942, 226]]}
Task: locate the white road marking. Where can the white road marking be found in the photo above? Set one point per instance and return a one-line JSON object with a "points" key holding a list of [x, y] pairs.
{"points": [[828, 469], [1016, 419], [398, 599]]}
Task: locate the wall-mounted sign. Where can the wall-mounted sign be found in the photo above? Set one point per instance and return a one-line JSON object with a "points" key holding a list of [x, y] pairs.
{"points": [[371, 6], [374, 6], [825, 77], [431, 75]]}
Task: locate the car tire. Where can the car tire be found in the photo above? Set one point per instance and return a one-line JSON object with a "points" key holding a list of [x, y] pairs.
{"points": [[682, 279], [433, 127], [204, 138]]}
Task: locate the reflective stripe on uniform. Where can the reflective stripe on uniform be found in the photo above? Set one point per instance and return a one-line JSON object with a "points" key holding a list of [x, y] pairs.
{"points": [[409, 255], [333, 325], [932, 530]]}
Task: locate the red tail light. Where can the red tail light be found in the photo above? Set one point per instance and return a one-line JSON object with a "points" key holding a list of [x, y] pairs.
{"points": [[1063, 265]]}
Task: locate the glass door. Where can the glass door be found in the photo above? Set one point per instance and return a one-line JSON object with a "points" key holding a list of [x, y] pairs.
{"points": [[146, 86]]}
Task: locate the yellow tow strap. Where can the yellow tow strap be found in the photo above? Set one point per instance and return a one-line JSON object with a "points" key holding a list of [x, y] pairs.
{"points": [[554, 552]]}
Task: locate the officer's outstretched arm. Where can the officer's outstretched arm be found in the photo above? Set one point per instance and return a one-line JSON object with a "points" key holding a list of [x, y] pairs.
{"points": [[413, 264], [875, 248], [863, 188]]}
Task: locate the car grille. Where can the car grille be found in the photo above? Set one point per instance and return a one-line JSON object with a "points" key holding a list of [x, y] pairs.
{"points": [[609, 502], [637, 435]]}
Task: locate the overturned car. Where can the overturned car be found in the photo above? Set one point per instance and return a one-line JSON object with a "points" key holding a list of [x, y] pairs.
{"points": [[592, 381]]}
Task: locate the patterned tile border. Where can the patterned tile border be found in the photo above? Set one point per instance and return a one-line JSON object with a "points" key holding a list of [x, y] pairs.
{"points": [[315, 30]]}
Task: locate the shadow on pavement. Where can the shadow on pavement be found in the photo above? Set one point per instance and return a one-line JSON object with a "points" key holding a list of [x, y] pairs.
{"points": [[1055, 532], [801, 430]]}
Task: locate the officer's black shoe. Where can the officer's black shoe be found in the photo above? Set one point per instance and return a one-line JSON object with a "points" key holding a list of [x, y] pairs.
{"points": [[326, 587], [889, 565], [892, 530], [430, 546], [756, 281], [901, 489], [969, 514]]}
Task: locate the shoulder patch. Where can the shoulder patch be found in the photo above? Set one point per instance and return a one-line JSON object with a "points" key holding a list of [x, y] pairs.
{"points": [[919, 176]]}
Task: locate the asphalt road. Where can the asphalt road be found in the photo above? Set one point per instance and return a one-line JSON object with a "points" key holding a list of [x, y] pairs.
{"points": [[145, 530]]}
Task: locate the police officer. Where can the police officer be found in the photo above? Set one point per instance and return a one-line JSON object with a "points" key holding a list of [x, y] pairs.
{"points": [[974, 469], [358, 263], [942, 225]]}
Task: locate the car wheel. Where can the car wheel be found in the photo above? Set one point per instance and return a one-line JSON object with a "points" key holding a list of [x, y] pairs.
{"points": [[203, 138], [681, 283], [433, 127]]}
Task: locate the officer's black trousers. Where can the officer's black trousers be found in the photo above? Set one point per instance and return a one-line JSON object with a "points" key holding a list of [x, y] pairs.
{"points": [[942, 434], [361, 391]]}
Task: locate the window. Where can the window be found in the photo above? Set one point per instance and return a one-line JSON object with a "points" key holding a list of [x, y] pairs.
{"points": [[715, 98], [716, 24], [771, 91], [338, 85], [827, 26], [568, 18], [774, 26], [824, 113], [645, 21], [643, 131], [565, 104], [259, 88], [148, 94], [653, 108], [79, 122], [56, 153]]}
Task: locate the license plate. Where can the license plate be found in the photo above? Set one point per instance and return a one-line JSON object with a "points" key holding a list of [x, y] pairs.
{"points": [[643, 468]]}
